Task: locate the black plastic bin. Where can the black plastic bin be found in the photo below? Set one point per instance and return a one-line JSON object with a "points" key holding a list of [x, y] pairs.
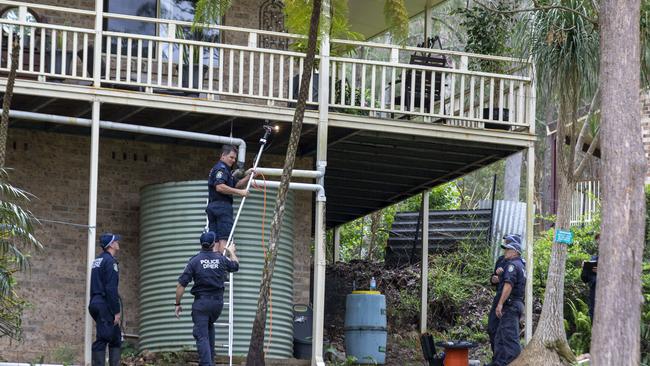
{"points": [[302, 331]]}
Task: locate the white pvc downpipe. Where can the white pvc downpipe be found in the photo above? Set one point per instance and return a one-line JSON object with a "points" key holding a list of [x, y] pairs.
{"points": [[321, 163], [145, 130]]}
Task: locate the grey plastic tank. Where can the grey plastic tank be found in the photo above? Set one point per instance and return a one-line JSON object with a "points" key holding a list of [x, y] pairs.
{"points": [[172, 218]]}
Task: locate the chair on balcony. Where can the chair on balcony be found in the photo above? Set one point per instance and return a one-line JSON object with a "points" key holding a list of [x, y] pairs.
{"points": [[432, 86]]}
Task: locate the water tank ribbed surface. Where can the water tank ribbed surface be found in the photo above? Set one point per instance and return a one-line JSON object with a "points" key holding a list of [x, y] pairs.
{"points": [[172, 217]]}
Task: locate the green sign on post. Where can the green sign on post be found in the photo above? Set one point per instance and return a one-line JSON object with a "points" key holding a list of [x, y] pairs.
{"points": [[563, 236]]}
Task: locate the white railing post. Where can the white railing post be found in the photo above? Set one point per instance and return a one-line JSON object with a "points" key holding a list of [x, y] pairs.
{"points": [[252, 40], [97, 47]]}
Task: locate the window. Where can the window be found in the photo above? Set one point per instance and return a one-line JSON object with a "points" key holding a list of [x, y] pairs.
{"points": [[141, 8], [184, 10]]}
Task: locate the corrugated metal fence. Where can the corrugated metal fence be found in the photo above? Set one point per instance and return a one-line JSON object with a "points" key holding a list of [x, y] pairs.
{"points": [[509, 217]]}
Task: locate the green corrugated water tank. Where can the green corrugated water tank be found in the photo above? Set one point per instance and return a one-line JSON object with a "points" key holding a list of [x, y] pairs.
{"points": [[172, 218]]}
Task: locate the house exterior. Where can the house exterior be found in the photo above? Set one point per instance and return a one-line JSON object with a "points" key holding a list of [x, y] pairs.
{"points": [[111, 98]]}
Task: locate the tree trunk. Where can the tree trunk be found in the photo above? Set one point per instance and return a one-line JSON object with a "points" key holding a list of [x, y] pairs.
{"points": [[616, 332], [255, 350], [549, 344], [512, 177], [6, 101]]}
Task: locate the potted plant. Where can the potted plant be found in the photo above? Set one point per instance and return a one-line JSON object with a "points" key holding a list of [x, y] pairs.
{"points": [[488, 33]]}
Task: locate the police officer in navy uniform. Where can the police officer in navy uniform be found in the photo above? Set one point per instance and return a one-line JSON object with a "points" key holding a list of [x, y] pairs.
{"points": [[510, 304], [589, 275], [208, 270], [222, 186], [495, 280], [104, 304]]}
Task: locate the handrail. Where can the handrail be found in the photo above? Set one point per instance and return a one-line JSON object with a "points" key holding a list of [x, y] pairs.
{"points": [[429, 50], [201, 43], [48, 7], [431, 68], [202, 25], [47, 26]]}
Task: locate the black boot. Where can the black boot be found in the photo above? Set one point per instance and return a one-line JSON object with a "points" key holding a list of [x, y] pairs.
{"points": [[114, 355], [99, 358]]}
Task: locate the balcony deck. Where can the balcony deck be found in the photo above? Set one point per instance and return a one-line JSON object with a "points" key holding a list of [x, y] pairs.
{"points": [[399, 126]]}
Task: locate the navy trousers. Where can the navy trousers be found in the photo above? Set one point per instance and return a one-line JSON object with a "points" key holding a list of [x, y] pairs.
{"points": [[220, 218], [506, 339], [493, 323], [107, 333], [204, 313]]}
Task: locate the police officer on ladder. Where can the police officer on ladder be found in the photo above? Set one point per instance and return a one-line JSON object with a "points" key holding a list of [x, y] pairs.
{"points": [[510, 303], [104, 304], [222, 186], [208, 270]]}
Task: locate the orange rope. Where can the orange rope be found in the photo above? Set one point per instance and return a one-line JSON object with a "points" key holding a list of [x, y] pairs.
{"points": [[268, 345]]}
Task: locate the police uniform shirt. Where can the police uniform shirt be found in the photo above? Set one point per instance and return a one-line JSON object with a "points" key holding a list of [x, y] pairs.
{"points": [[220, 174], [501, 263], [208, 271], [514, 273], [104, 280]]}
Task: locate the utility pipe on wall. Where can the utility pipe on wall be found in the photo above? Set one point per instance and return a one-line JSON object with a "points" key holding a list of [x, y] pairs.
{"points": [[146, 130]]}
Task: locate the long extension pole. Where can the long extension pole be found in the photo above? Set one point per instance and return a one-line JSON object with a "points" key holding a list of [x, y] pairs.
{"points": [[263, 140]]}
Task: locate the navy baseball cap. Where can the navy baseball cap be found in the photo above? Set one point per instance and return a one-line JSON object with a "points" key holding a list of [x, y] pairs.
{"points": [[107, 239], [513, 241], [207, 239]]}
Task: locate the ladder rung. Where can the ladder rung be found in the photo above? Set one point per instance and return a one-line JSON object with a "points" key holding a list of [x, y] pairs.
{"points": [[221, 324], [221, 345], [226, 303], [226, 282]]}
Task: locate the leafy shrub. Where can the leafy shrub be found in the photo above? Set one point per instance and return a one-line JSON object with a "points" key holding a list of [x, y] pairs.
{"points": [[455, 276]]}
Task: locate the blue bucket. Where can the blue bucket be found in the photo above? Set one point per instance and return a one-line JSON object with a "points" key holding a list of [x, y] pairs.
{"points": [[365, 327]]}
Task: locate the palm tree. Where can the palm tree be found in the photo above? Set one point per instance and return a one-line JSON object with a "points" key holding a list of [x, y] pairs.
{"points": [[563, 43], [16, 230], [16, 238]]}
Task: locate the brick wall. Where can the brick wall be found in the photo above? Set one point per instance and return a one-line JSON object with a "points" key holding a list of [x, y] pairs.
{"points": [[54, 167]]}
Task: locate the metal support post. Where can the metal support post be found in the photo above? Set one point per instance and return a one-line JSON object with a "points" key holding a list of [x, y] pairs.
{"points": [[530, 217], [321, 163], [530, 208], [425, 262], [92, 225]]}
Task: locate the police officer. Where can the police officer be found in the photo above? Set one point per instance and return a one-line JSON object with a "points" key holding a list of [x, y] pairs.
{"points": [[208, 270], [510, 303], [104, 304], [589, 276], [495, 280], [222, 186]]}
